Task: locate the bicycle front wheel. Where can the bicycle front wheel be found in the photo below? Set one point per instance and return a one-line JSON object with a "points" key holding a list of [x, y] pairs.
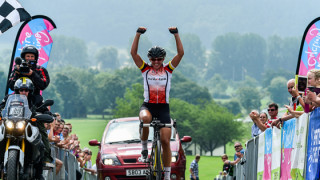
{"points": [[159, 165]]}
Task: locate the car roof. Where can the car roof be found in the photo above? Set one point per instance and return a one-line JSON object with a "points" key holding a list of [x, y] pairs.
{"points": [[125, 119]]}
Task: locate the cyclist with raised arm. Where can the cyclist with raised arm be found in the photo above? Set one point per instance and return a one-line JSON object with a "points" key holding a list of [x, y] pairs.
{"points": [[157, 82]]}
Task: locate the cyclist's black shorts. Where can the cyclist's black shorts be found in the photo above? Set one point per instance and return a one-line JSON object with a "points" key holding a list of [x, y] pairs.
{"points": [[159, 111]]}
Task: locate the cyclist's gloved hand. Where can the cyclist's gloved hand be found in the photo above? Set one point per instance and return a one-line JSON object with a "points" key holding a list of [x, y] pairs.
{"points": [[173, 30], [141, 30]]}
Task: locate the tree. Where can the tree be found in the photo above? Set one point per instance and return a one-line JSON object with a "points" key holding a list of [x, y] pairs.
{"points": [[233, 106], [68, 89], [249, 98], [186, 115], [144, 45], [235, 56], [252, 52], [69, 51], [188, 91], [282, 53], [107, 58], [224, 57], [216, 127], [217, 86], [270, 74], [129, 105], [194, 58], [278, 90], [108, 88]]}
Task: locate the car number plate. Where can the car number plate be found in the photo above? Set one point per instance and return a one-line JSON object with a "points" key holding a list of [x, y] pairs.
{"points": [[136, 172]]}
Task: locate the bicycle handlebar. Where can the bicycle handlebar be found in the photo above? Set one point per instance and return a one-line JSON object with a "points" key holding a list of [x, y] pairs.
{"points": [[158, 124]]}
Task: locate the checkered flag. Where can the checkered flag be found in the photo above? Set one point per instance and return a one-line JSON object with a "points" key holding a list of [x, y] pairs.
{"points": [[11, 13]]}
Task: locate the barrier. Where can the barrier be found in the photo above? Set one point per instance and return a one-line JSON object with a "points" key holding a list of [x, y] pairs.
{"points": [[69, 169], [288, 160]]}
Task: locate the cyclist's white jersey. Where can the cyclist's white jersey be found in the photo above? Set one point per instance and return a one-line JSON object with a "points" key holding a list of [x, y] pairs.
{"points": [[156, 84]]}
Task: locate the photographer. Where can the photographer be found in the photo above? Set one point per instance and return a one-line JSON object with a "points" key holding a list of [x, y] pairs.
{"points": [[27, 67]]}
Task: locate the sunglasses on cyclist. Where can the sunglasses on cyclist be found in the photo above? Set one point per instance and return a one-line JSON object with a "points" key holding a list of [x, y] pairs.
{"points": [[156, 59], [25, 90], [271, 109]]}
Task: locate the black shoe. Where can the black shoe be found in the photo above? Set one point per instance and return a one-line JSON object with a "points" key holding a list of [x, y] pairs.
{"points": [[144, 155]]}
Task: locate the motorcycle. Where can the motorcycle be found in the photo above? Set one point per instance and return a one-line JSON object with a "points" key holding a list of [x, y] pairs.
{"points": [[21, 137]]}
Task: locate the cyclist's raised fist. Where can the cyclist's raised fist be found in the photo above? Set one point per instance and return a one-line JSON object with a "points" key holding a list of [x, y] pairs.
{"points": [[141, 30], [173, 30]]}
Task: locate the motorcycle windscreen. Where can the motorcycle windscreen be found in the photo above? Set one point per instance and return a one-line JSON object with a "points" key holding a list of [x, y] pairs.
{"points": [[17, 108]]}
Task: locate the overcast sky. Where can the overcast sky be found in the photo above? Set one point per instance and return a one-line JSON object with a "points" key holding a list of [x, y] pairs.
{"points": [[113, 22]]}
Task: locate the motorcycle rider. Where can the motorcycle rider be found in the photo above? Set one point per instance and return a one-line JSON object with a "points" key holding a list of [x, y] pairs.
{"points": [[24, 86]]}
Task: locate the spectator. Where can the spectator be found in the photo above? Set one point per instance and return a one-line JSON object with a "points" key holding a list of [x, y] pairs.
{"points": [[70, 127], [313, 80], [57, 161], [194, 168], [58, 116], [227, 168], [259, 122], [88, 163], [296, 105], [65, 132], [273, 113], [238, 155]]}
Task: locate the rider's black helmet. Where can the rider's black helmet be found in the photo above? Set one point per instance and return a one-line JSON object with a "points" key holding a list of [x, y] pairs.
{"points": [[30, 49], [23, 83], [156, 52]]}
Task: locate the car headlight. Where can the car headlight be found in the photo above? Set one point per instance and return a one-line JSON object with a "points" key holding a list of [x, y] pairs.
{"points": [[110, 159], [20, 125], [174, 157], [9, 124]]}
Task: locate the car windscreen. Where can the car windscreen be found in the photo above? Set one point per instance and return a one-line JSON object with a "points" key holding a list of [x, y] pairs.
{"points": [[126, 132]]}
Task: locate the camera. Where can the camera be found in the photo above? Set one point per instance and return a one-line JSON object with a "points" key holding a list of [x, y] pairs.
{"points": [[24, 67]]}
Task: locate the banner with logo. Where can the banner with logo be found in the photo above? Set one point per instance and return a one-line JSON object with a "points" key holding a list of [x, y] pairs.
{"points": [[276, 153], [288, 132], [267, 154], [260, 162], [309, 49], [313, 147], [298, 154], [33, 32]]}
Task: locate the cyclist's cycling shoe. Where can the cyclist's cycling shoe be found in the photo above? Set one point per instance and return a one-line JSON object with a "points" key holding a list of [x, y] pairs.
{"points": [[144, 155]]}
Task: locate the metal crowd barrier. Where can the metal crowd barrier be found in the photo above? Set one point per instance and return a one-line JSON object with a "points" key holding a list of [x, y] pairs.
{"points": [[69, 168], [247, 167]]}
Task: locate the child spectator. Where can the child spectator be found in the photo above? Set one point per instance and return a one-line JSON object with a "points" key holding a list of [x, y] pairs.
{"points": [[227, 168]]}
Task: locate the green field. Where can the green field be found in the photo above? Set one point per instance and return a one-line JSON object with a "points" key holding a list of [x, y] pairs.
{"points": [[87, 129], [93, 127]]}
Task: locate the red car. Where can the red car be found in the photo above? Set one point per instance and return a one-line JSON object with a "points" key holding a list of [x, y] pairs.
{"points": [[120, 150]]}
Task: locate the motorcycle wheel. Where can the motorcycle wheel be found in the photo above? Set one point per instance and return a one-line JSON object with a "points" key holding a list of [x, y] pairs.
{"points": [[12, 165]]}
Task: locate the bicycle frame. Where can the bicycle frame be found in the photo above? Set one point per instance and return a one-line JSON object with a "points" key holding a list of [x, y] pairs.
{"points": [[155, 164]]}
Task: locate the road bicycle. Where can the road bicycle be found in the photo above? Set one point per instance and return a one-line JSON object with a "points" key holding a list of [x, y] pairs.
{"points": [[155, 164]]}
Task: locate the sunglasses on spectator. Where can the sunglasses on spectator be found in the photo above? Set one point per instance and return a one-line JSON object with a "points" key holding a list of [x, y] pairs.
{"points": [[237, 146], [156, 59], [271, 109], [25, 90]]}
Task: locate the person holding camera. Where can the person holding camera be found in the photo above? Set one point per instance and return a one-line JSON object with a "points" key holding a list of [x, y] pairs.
{"points": [[157, 82], [27, 66], [295, 107], [312, 95]]}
